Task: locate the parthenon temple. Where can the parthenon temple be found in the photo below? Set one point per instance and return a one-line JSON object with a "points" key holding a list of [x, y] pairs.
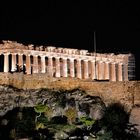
{"points": [[66, 62]]}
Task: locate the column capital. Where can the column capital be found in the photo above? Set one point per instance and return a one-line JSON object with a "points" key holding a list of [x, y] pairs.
{"points": [[120, 63], [6, 53], [79, 59], [20, 54], [71, 59], [57, 57], [107, 62], [13, 53], [92, 60], [65, 58], [113, 63], [42, 56], [100, 61], [85, 60], [27, 54], [50, 57]]}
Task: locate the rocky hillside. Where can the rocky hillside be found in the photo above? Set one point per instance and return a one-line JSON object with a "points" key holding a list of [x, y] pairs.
{"points": [[59, 100]]}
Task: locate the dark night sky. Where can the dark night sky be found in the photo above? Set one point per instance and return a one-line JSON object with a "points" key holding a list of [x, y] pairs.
{"points": [[72, 23]]}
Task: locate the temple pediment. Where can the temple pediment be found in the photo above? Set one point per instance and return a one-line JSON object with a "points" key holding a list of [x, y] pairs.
{"points": [[12, 45]]}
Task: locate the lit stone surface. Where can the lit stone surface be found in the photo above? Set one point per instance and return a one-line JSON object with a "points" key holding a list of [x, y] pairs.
{"points": [[43, 64], [20, 59], [125, 72], [13, 62], [79, 74], [28, 64], [86, 69], [6, 62], [72, 72], [93, 73], [35, 64], [50, 66], [57, 67], [113, 71], [65, 68], [106, 71], [120, 72], [64, 62]]}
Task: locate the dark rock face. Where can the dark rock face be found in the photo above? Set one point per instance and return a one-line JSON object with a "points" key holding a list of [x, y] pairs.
{"points": [[57, 100], [135, 117]]}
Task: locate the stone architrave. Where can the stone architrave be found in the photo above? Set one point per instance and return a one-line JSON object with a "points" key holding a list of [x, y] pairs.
{"points": [[50, 66], [13, 68], [106, 71], [28, 64], [65, 67], [72, 69], [113, 72], [86, 74], [35, 64], [43, 64], [6, 62], [57, 65], [79, 74], [120, 72], [125, 72]]}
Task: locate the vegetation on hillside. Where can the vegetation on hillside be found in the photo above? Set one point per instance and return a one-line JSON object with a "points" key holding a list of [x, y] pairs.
{"points": [[22, 123], [73, 115]]}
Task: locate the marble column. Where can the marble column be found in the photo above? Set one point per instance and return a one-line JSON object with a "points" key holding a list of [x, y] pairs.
{"points": [[86, 74], [35, 64], [79, 74], [120, 72], [20, 60], [65, 67], [28, 64], [43, 64], [50, 66], [100, 70], [72, 69], [125, 72], [57, 60], [106, 71], [113, 72], [6, 62], [93, 70], [97, 69], [13, 68]]}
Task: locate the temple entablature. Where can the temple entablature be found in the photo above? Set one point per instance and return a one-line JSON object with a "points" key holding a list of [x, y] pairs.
{"points": [[83, 52]]}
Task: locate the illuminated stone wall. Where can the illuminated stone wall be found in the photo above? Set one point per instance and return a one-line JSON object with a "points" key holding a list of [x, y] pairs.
{"points": [[126, 92]]}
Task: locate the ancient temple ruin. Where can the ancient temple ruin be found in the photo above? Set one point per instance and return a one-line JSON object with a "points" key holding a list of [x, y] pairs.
{"points": [[66, 62]]}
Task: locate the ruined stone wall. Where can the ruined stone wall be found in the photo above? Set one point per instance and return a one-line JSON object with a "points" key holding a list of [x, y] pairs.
{"points": [[124, 92]]}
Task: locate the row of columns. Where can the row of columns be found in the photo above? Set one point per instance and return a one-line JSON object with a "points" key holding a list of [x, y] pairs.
{"points": [[99, 70]]}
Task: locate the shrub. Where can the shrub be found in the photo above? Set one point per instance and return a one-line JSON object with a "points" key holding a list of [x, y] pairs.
{"points": [[87, 121], [115, 119], [71, 114]]}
